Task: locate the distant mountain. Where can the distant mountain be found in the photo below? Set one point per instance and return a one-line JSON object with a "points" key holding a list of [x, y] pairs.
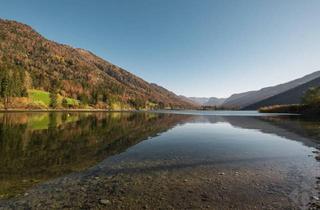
{"points": [[204, 101], [199, 100], [74, 73], [188, 100], [292, 96], [213, 101], [244, 100]]}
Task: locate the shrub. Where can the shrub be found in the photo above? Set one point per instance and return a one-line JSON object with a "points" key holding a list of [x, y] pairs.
{"points": [[37, 105]]}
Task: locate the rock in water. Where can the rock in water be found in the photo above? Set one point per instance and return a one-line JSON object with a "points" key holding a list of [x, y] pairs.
{"points": [[105, 201]]}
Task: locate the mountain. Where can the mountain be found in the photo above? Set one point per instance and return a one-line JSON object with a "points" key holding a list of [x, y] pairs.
{"points": [[199, 100], [243, 100], [292, 96], [188, 100], [74, 73], [213, 101], [204, 101]]}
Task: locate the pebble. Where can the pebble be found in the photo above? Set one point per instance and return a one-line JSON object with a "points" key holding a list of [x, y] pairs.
{"points": [[204, 197], [222, 173], [105, 201], [145, 207], [315, 198]]}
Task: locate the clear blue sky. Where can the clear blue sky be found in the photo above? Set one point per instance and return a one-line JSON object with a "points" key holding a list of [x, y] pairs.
{"points": [[192, 47]]}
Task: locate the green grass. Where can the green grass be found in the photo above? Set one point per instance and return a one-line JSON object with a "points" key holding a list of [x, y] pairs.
{"points": [[44, 96], [71, 101], [39, 95]]}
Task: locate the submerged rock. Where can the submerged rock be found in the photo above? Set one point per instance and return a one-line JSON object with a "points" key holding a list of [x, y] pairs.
{"points": [[105, 202]]}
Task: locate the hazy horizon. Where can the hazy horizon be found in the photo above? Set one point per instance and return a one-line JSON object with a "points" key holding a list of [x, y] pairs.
{"points": [[199, 49]]}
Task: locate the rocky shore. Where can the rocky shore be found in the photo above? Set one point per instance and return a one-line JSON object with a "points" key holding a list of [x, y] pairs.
{"points": [[315, 200], [203, 187]]}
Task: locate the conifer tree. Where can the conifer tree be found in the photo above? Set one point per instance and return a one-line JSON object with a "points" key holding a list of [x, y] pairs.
{"points": [[5, 86], [64, 103], [53, 100]]}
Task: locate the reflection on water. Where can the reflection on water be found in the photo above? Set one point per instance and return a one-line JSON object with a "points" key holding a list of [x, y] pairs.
{"points": [[38, 146], [268, 151], [224, 140]]}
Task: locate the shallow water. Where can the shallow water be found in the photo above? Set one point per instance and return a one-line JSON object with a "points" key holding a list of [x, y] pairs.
{"points": [[180, 159]]}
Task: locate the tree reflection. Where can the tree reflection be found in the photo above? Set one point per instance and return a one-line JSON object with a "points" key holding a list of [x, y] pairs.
{"points": [[40, 146]]}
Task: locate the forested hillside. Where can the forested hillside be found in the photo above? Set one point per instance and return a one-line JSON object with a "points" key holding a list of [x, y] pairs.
{"points": [[292, 96], [73, 77], [244, 100]]}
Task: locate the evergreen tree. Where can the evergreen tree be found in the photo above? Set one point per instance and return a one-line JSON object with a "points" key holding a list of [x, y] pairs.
{"points": [[54, 94], [5, 86], [15, 84], [53, 99], [105, 97], [83, 98], [94, 97], [24, 92], [64, 103]]}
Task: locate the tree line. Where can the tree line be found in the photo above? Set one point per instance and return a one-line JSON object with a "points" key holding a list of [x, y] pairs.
{"points": [[12, 83], [15, 82]]}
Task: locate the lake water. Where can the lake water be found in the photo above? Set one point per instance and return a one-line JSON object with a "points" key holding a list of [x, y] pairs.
{"points": [[158, 160]]}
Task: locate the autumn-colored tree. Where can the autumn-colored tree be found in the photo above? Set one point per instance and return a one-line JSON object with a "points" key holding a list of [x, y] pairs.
{"points": [[40, 61]]}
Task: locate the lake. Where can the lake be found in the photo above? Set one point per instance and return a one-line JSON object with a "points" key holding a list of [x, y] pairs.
{"points": [[158, 160]]}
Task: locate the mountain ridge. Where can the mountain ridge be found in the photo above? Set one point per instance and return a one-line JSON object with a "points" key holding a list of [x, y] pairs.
{"points": [[245, 99], [292, 96], [268, 96], [207, 101], [77, 72]]}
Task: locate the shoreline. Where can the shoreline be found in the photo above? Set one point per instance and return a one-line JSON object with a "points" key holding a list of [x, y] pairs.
{"points": [[130, 110], [63, 110]]}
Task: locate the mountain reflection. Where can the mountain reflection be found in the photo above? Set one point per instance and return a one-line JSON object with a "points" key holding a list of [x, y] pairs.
{"points": [[35, 147]]}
